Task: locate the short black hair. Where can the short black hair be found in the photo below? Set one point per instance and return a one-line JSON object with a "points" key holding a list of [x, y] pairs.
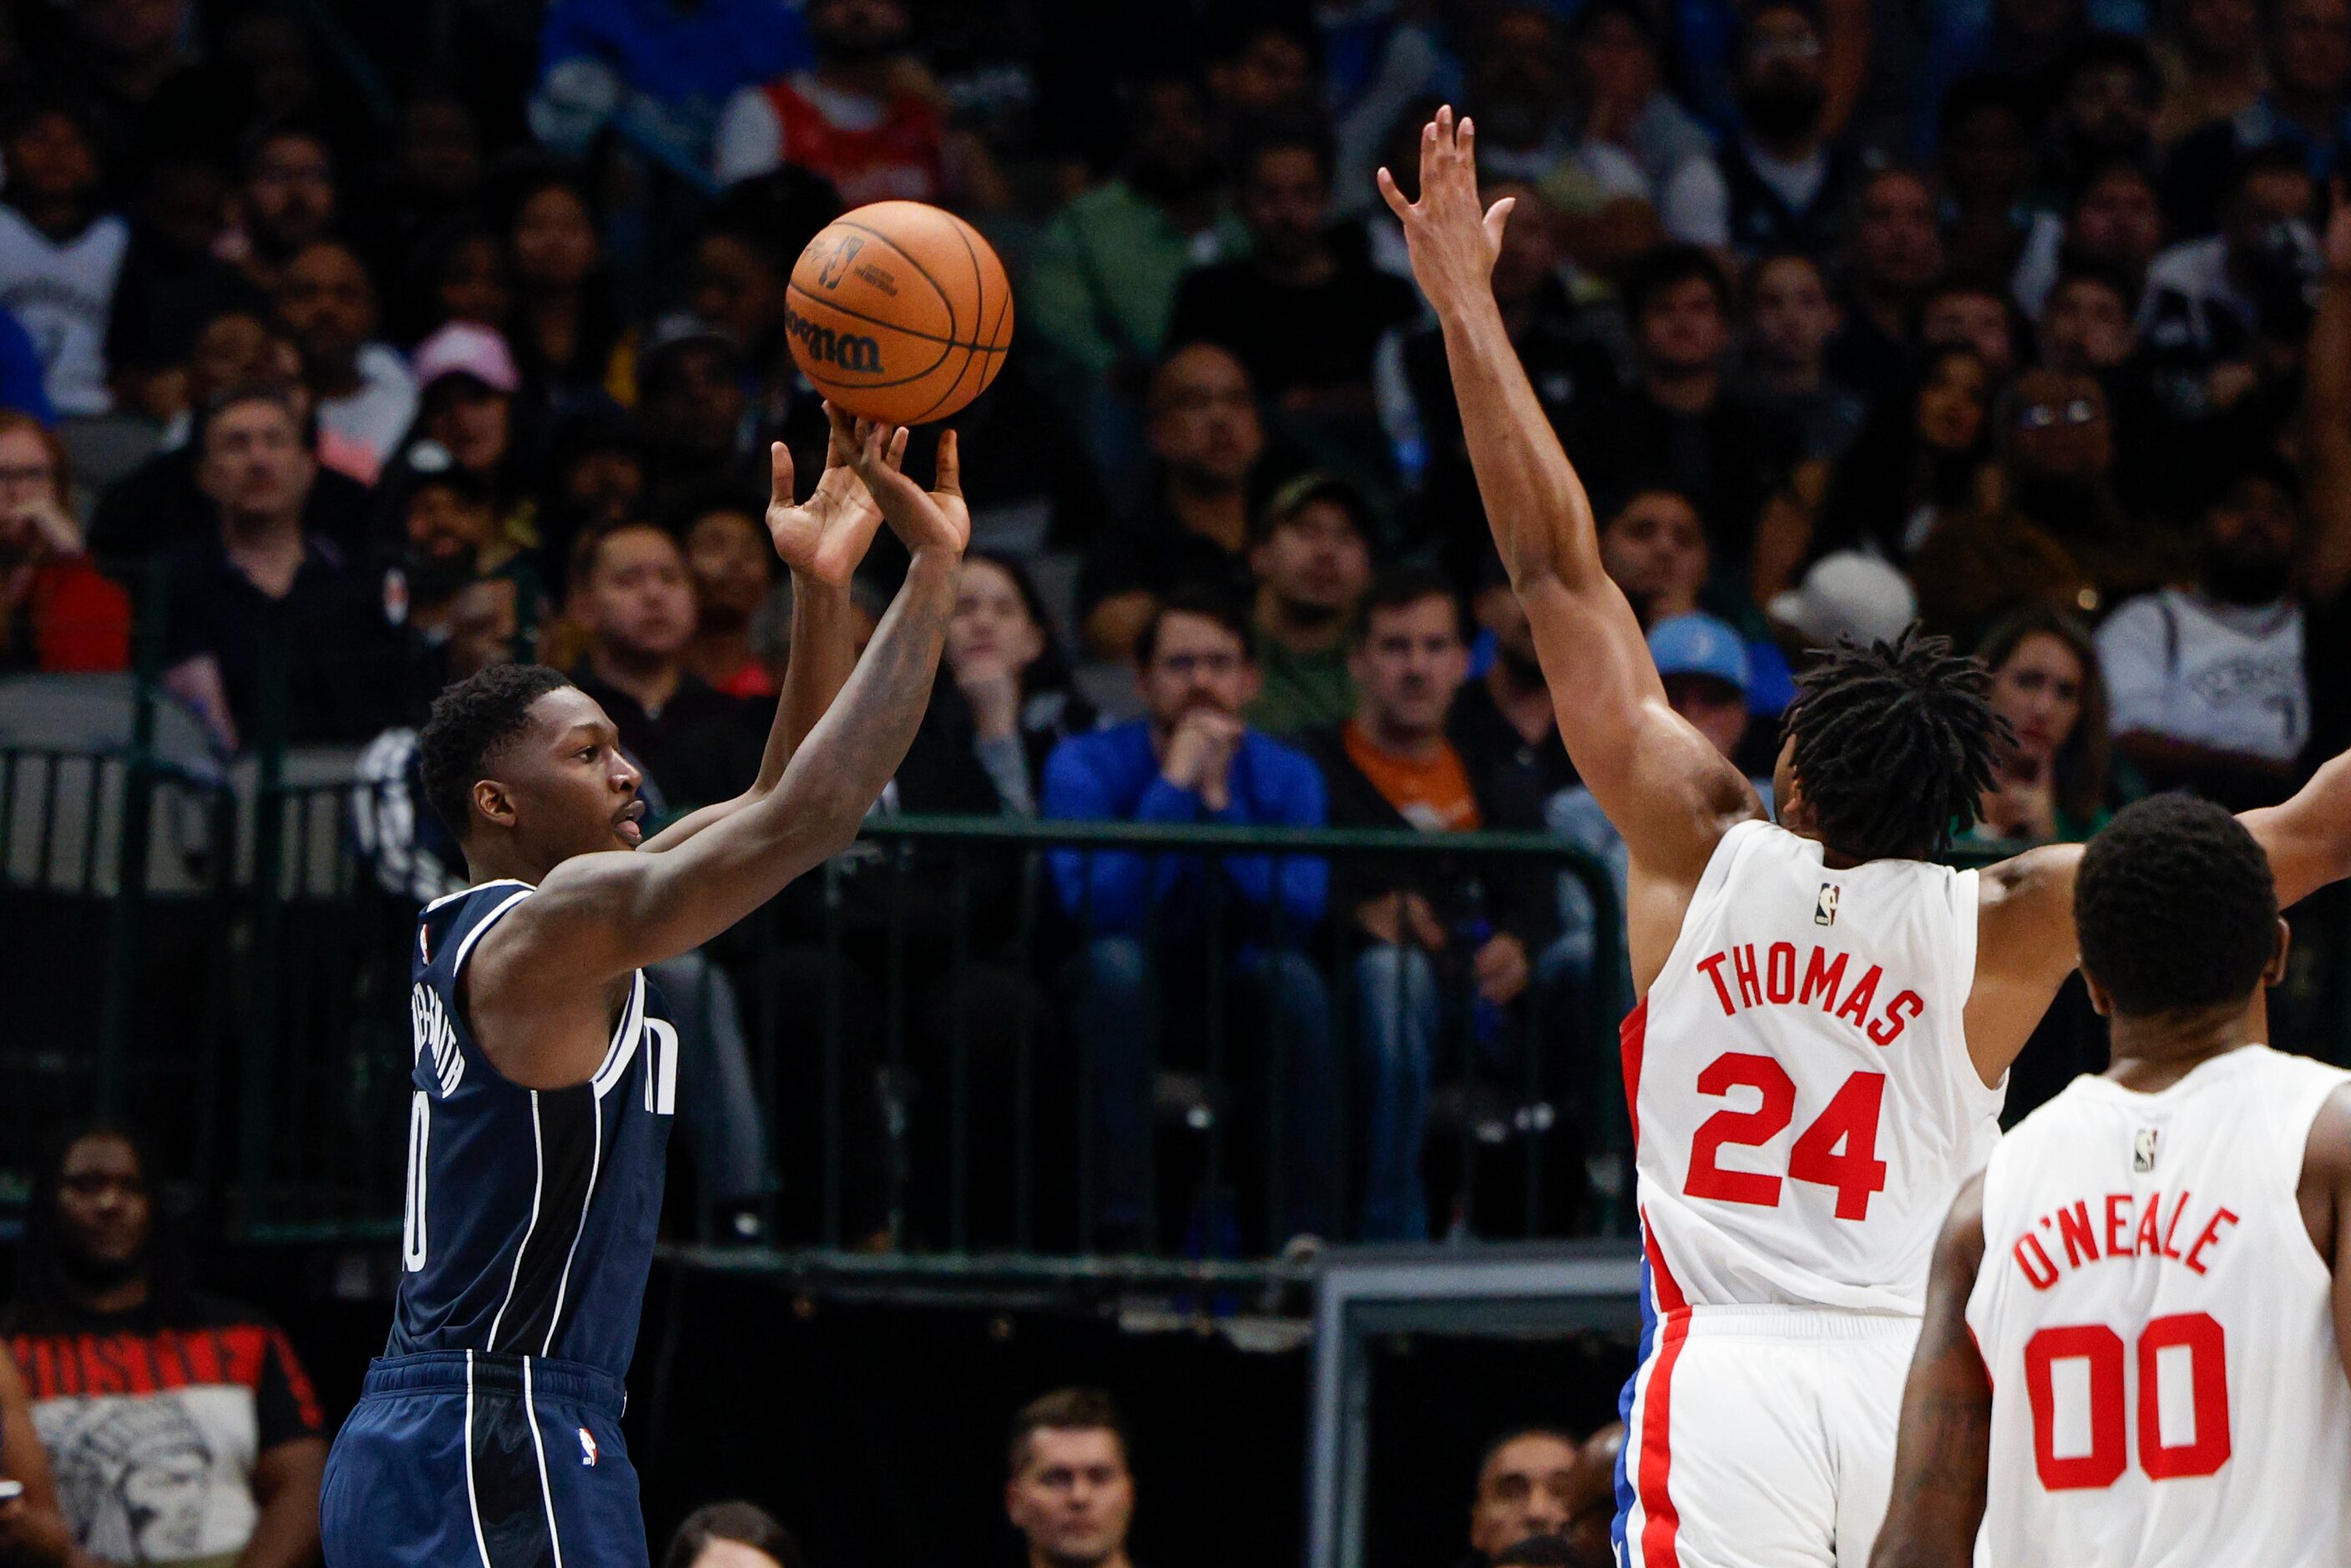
{"points": [[2175, 908], [1280, 131], [1894, 745], [470, 722], [1660, 268], [743, 1522], [1400, 586], [48, 1297], [1067, 1410], [1503, 1440], [1206, 601]]}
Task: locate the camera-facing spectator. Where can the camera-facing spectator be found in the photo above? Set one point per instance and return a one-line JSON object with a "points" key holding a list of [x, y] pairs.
{"points": [[1191, 758], [1305, 309], [1893, 255], [1971, 313], [2089, 322], [1621, 92], [732, 1535], [1679, 421], [2053, 777], [1782, 182], [565, 336], [1517, 75], [860, 119], [2226, 314], [2306, 107], [58, 612], [1313, 557], [1984, 164], [1793, 318], [1205, 442], [1525, 1491], [60, 251], [287, 197], [2209, 52], [732, 561], [162, 1456], [262, 593], [1070, 1490], [2107, 95], [2209, 687], [2113, 221], [633, 597], [1504, 717], [365, 397], [1423, 930], [1922, 455]]}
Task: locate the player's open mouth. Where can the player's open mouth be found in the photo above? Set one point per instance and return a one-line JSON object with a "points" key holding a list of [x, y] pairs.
{"points": [[630, 823]]}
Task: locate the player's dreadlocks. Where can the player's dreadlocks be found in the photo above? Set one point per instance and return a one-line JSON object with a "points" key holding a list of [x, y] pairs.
{"points": [[1894, 744], [471, 720]]}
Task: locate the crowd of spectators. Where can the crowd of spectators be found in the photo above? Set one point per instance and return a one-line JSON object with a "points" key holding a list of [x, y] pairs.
{"points": [[360, 359]]}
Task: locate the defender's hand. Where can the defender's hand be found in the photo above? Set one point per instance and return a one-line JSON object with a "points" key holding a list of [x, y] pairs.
{"points": [[825, 537], [1453, 241], [933, 519]]}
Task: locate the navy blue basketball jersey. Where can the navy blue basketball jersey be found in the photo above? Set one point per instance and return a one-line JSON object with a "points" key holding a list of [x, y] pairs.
{"points": [[530, 1212]]}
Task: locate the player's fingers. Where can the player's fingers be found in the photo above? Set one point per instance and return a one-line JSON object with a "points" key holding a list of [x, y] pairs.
{"points": [[1392, 194], [1465, 139], [950, 466], [780, 474], [897, 452], [845, 431], [1498, 216]]}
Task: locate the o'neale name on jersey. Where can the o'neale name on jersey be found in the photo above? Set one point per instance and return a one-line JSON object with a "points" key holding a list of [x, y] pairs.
{"points": [[1817, 980], [2111, 1230]]}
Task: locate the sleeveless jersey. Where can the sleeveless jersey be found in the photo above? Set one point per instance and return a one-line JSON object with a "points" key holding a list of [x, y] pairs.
{"points": [[2166, 1387], [530, 1212], [1804, 1106]]}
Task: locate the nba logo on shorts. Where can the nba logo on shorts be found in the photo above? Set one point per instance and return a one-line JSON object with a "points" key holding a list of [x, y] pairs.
{"points": [[2143, 1150], [587, 1447], [1824, 907]]}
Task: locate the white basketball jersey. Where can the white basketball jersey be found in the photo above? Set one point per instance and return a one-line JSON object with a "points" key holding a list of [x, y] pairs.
{"points": [[2166, 1387], [1804, 1106]]}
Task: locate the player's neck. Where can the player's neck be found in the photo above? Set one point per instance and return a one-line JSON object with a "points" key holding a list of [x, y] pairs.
{"points": [[2151, 1054], [494, 861]]}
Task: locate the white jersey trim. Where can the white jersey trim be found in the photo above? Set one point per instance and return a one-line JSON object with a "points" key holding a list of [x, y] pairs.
{"points": [[537, 1185], [538, 1446], [468, 892]]}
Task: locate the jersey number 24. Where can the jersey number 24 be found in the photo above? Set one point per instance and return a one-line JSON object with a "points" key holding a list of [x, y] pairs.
{"points": [[1838, 1150]]}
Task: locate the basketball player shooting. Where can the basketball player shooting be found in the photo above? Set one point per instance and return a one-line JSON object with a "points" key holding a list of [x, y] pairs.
{"points": [[545, 1072], [2134, 1351], [1825, 1023]]}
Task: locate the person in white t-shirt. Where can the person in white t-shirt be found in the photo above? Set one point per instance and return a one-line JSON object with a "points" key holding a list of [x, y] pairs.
{"points": [[367, 398], [59, 255], [2209, 686]]}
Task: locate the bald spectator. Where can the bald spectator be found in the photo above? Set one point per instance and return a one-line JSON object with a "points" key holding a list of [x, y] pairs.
{"points": [[1070, 1491], [1206, 440], [366, 398]]}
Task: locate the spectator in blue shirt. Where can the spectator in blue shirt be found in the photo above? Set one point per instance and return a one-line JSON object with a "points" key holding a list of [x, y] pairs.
{"points": [[1154, 924], [20, 372]]}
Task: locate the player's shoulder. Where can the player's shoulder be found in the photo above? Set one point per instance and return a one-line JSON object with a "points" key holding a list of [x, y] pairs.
{"points": [[447, 927]]}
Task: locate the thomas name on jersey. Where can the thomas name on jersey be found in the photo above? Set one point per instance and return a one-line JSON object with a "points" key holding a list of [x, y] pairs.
{"points": [[1817, 980], [2151, 1233]]}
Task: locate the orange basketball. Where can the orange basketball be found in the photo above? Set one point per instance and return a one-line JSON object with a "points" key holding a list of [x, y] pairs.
{"points": [[899, 312]]}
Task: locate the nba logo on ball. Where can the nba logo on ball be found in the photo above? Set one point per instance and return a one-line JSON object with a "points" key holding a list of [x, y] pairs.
{"points": [[899, 312]]}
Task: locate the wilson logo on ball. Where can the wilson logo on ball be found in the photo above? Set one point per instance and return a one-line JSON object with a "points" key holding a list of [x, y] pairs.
{"points": [[836, 266], [847, 351]]}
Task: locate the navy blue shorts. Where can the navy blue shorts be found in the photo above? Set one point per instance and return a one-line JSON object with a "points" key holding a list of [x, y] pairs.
{"points": [[453, 1459]]}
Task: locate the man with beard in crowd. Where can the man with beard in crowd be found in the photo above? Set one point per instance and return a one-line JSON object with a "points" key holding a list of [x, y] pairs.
{"points": [[2207, 682], [366, 399], [1781, 184]]}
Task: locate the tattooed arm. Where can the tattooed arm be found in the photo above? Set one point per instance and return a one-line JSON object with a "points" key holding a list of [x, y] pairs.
{"points": [[1940, 1459]]}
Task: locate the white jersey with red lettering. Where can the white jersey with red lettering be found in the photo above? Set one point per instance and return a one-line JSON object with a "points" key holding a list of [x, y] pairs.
{"points": [[1804, 1106], [1804, 1112], [2166, 1387]]}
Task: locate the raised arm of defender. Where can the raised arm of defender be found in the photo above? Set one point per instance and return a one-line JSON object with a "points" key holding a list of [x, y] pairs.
{"points": [[538, 984], [1664, 786], [2025, 943]]}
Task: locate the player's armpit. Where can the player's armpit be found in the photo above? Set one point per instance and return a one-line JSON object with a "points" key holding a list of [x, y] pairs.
{"points": [[2308, 838], [1943, 1453], [2326, 1198], [2025, 946]]}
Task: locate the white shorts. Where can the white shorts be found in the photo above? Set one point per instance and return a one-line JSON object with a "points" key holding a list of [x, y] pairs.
{"points": [[1761, 1437]]}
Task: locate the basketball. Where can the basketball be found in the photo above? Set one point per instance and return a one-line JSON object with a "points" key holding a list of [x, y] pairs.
{"points": [[899, 312]]}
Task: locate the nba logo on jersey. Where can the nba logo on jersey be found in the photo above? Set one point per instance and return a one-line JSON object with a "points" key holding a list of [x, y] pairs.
{"points": [[2143, 1150], [1824, 907], [587, 1447]]}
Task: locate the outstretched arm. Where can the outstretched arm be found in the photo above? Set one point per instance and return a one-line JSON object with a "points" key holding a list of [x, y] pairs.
{"points": [[1943, 1451], [2025, 943], [1663, 784], [822, 541], [2325, 1195], [541, 974]]}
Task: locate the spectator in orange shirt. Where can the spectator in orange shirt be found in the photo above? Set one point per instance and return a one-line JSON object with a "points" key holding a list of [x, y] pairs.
{"points": [[57, 611]]}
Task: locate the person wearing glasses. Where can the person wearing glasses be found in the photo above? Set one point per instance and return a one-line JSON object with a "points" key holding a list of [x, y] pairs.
{"points": [[1155, 929], [2052, 528]]}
